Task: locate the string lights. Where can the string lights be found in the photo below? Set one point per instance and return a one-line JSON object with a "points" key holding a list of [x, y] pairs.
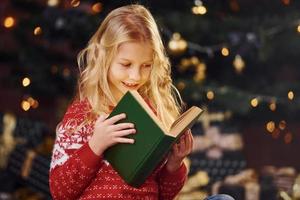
{"points": [[53, 3], [25, 105], [28, 103], [199, 8], [270, 126], [37, 30], [238, 64], [225, 51], [290, 95], [194, 62], [210, 95], [9, 22], [272, 105], [177, 45], [237, 100], [26, 82], [97, 8], [281, 128], [75, 3], [254, 102]]}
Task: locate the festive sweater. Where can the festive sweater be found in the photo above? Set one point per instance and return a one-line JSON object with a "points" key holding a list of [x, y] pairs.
{"points": [[76, 172]]}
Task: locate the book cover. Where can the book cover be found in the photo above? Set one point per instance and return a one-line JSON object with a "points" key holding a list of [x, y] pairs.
{"points": [[135, 162]]}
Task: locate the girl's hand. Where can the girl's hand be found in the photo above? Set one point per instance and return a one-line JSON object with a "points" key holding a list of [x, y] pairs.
{"points": [[179, 151], [107, 133]]}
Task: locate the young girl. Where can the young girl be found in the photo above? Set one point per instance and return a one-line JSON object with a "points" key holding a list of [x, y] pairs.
{"points": [[125, 53]]}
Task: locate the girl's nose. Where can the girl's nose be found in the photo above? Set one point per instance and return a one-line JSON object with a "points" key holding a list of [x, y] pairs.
{"points": [[135, 74]]}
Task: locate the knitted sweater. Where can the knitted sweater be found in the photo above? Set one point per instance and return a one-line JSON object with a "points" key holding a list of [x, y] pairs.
{"points": [[76, 172]]}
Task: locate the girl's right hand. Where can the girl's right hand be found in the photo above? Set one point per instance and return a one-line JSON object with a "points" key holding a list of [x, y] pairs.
{"points": [[107, 133]]}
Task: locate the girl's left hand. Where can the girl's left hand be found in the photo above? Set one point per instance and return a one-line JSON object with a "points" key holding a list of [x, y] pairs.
{"points": [[179, 151]]}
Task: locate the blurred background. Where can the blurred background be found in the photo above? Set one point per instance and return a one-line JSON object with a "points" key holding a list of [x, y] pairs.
{"points": [[236, 59]]}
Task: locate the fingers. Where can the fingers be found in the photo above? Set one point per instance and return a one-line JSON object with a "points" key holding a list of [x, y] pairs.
{"points": [[184, 145], [122, 126], [176, 149], [112, 121], [189, 141], [123, 133], [124, 140], [120, 136], [115, 118]]}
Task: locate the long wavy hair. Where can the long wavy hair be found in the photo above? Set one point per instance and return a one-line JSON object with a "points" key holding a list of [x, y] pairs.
{"points": [[132, 23]]}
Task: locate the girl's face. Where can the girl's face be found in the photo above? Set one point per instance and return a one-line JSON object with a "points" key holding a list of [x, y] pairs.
{"points": [[130, 68]]}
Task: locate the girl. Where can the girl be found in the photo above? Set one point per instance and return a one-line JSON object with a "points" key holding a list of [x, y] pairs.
{"points": [[125, 53]]}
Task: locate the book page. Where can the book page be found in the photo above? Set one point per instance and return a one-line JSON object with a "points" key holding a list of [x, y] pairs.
{"points": [[185, 120], [179, 118]]}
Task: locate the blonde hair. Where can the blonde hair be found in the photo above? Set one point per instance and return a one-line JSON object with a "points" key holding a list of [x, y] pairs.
{"points": [[125, 24]]}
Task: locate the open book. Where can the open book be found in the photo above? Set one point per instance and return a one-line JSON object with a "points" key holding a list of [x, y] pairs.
{"points": [[135, 162]]}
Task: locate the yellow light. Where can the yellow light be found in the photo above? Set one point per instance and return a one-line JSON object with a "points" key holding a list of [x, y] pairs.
{"points": [[25, 105], [291, 95], [37, 30], [176, 36], [66, 72], [254, 102], [182, 44], [210, 95], [9, 22], [298, 28], [195, 60], [201, 10], [173, 45], [282, 125], [185, 62], [75, 3], [35, 104], [272, 106], [31, 101], [200, 72], [177, 44], [195, 10], [270, 126], [238, 64], [181, 85], [225, 51], [97, 7], [53, 3], [26, 81]]}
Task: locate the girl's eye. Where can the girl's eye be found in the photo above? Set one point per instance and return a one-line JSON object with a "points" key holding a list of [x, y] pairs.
{"points": [[147, 65], [125, 64]]}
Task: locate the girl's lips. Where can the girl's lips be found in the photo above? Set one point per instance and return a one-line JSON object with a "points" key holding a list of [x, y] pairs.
{"points": [[132, 86]]}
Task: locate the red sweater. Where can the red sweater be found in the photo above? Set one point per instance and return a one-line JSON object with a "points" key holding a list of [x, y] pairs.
{"points": [[77, 173]]}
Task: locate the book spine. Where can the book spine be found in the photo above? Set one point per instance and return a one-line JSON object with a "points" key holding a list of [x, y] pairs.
{"points": [[151, 162]]}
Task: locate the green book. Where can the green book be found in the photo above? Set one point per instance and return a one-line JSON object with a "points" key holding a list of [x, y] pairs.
{"points": [[135, 162]]}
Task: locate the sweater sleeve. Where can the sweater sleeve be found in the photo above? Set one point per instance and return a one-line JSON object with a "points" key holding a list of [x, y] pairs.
{"points": [[70, 179], [73, 164], [170, 183]]}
